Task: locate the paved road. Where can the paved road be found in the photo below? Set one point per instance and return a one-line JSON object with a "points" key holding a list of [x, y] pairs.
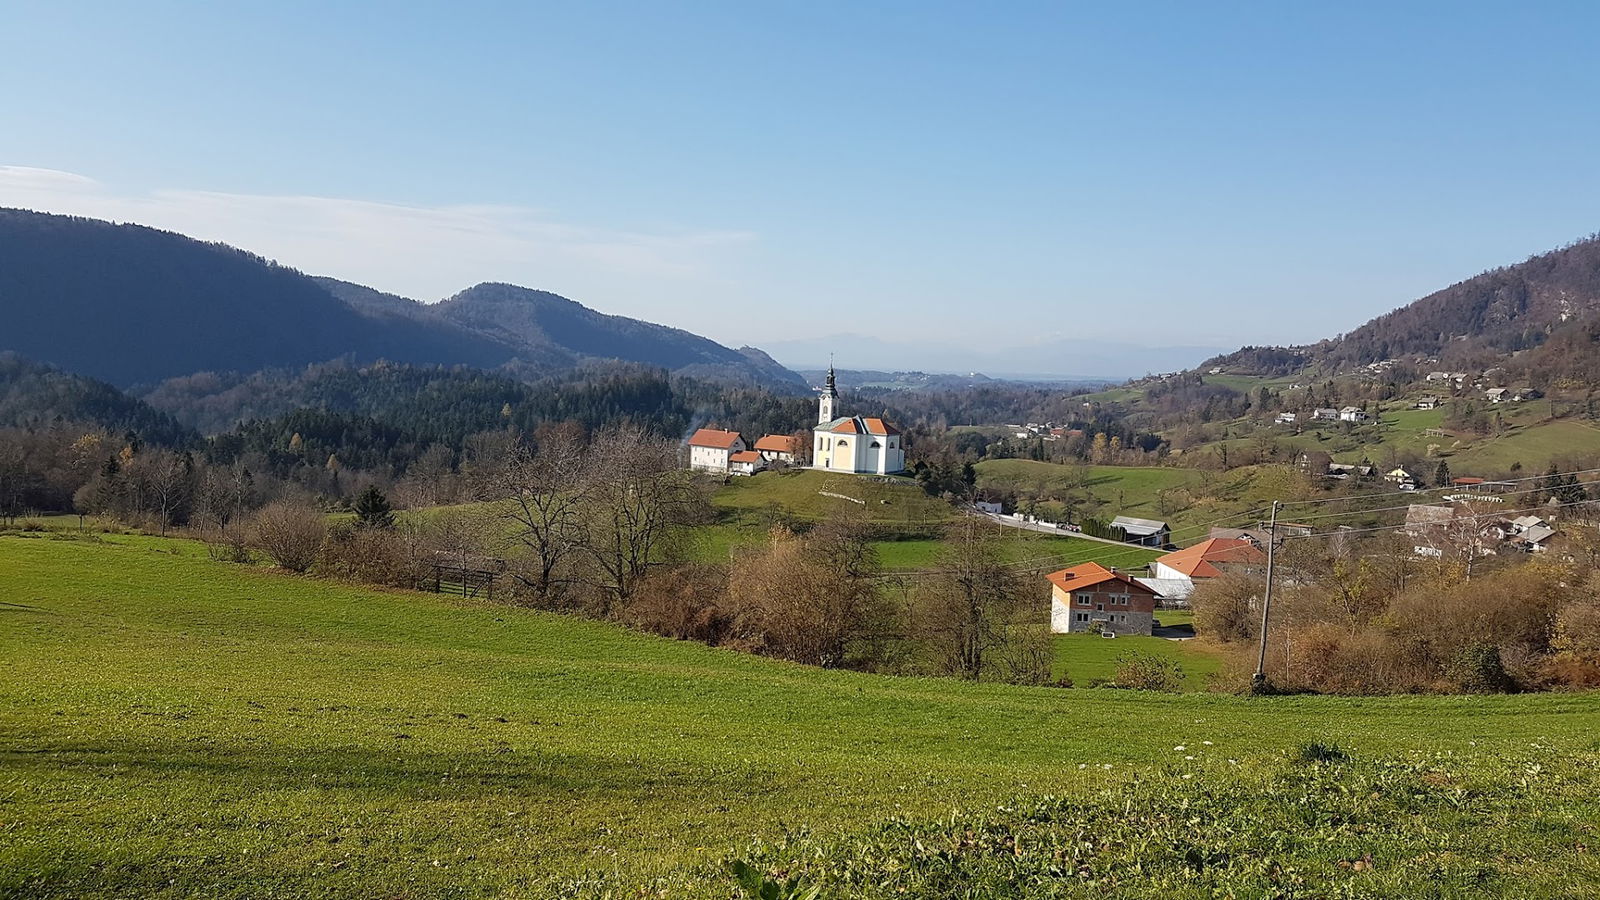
{"points": [[1043, 528]]}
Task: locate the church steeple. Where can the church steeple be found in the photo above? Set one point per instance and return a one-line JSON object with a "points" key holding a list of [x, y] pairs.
{"points": [[829, 399]]}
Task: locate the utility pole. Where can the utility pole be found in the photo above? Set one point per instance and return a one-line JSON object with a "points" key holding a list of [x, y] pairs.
{"points": [[1266, 602]]}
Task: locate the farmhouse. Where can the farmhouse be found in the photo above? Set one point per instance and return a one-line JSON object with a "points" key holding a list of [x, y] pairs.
{"points": [[1325, 413], [778, 448], [1208, 559], [855, 444], [710, 449], [1094, 598], [1353, 414], [1402, 478], [1496, 395], [745, 462], [1285, 418], [1428, 402], [1144, 532]]}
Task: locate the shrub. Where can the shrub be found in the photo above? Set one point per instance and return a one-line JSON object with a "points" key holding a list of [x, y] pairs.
{"points": [[681, 603], [1477, 669], [290, 533], [1143, 672]]}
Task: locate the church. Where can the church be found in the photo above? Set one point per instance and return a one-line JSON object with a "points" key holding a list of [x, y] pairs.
{"points": [[859, 445]]}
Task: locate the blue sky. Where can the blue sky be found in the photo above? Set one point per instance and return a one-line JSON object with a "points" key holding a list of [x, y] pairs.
{"points": [[1007, 174]]}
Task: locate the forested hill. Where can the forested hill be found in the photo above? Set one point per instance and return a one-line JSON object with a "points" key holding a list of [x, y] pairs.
{"points": [[33, 395], [134, 305], [1548, 305]]}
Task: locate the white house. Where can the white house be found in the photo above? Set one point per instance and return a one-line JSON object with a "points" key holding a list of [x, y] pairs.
{"points": [[710, 449], [745, 462], [1353, 414], [1286, 418], [1325, 413], [859, 445], [777, 448]]}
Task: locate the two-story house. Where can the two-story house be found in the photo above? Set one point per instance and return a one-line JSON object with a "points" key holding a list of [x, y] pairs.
{"points": [[1096, 599]]}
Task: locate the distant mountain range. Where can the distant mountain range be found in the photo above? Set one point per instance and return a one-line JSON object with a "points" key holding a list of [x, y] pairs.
{"points": [[136, 305], [1071, 360], [1539, 319]]}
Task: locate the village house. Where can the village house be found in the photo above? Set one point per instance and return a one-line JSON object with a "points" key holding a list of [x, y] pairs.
{"points": [[1093, 598], [860, 445], [1427, 402], [1325, 413], [1353, 414], [1401, 479], [1144, 532], [1285, 418], [1174, 576], [1496, 395], [710, 449], [745, 462], [783, 448]]}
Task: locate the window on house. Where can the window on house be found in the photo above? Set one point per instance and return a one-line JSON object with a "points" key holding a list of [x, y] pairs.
{"points": [[876, 445]]}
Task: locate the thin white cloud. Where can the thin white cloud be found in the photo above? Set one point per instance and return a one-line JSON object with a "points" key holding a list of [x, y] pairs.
{"points": [[417, 251]]}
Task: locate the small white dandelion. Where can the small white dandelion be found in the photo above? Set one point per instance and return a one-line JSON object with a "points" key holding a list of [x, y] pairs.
{"points": [[1207, 743], [1189, 758], [1180, 748]]}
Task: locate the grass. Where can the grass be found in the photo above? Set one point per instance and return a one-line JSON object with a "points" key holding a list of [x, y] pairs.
{"points": [[804, 494], [1089, 658], [172, 726]]}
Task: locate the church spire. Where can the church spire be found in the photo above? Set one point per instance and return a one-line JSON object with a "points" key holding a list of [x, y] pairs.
{"points": [[830, 397]]}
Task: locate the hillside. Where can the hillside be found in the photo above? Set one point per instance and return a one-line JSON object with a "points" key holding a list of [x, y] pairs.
{"points": [[540, 321], [206, 728], [33, 395], [130, 305], [1538, 317]]}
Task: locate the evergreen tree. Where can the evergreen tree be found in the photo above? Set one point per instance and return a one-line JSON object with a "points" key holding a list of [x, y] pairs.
{"points": [[373, 510], [1441, 475]]}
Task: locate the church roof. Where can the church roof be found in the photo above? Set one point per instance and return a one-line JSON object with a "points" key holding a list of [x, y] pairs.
{"points": [[859, 425], [713, 437]]}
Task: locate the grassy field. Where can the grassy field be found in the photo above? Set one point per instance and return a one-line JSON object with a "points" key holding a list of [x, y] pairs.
{"points": [[1087, 658], [172, 726], [1194, 497], [805, 494]]}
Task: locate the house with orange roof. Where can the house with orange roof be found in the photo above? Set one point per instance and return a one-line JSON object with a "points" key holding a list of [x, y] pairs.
{"points": [[778, 447], [745, 462], [1208, 559], [859, 445], [711, 449], [1093, 598]]}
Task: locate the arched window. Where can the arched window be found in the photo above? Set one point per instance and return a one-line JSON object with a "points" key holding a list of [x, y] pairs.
{"points": [[843, 443], [876, 445]]}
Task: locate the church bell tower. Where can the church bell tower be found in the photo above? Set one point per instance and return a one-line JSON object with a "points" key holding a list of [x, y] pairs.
{"points": [[829, 400]]}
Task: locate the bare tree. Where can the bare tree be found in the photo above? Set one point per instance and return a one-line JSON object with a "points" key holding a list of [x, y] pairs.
{"points": [[544, 494], [968, 611], [637, 496]]}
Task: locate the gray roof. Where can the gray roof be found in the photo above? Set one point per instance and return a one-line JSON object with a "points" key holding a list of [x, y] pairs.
{"points": [[1138, 526], [1169, 588]]}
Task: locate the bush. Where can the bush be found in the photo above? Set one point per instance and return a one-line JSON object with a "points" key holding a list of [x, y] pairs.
{"points": [[370, 554], [681, 603], [1477, 669], [227, 546], [1143, 672], [290, 533]]}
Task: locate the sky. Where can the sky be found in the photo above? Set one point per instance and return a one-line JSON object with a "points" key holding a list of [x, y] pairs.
{"points": [[932, 175]]}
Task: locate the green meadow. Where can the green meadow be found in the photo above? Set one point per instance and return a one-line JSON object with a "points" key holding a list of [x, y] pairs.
{"points": [[172, 726]]}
